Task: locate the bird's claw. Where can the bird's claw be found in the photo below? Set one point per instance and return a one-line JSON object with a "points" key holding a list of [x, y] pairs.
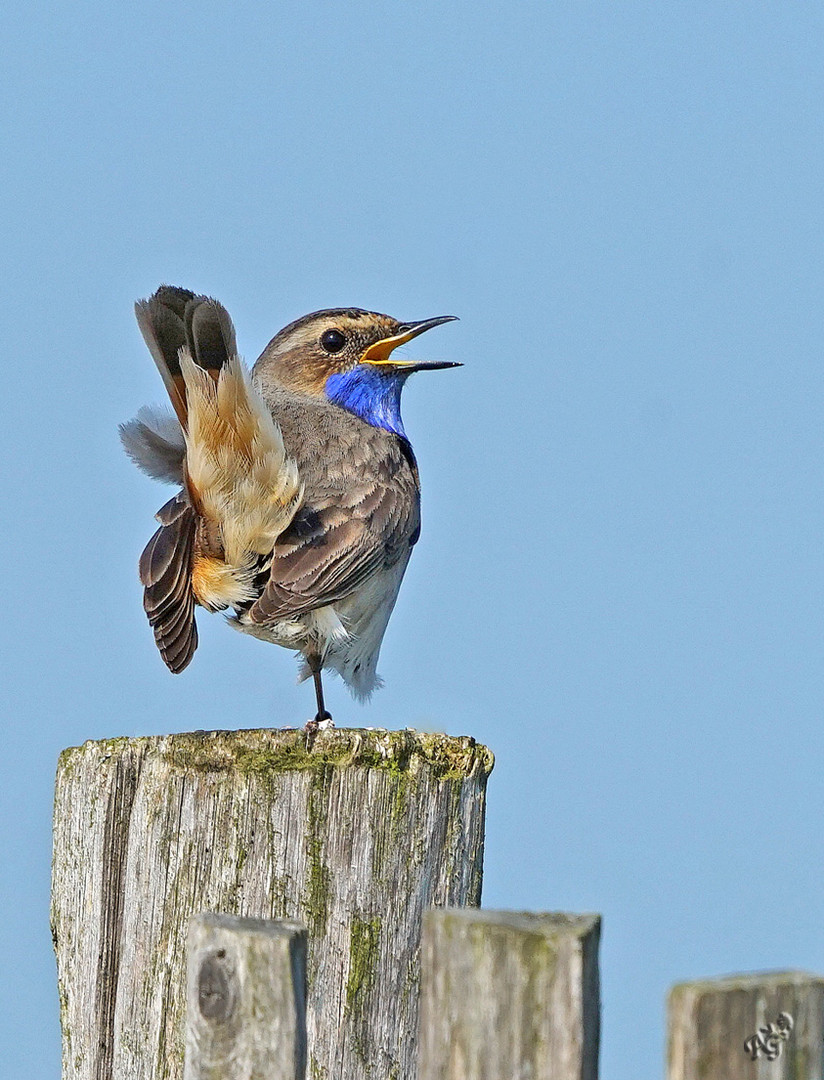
{"points": [[320, 722]]}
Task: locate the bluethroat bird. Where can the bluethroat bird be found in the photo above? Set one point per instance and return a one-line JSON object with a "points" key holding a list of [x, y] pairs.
{"points": [[299, 499]]}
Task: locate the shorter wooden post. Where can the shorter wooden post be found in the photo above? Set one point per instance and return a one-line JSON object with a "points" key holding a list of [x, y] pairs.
{"points": [[736, 1028], [509, 996], [246, 999]]}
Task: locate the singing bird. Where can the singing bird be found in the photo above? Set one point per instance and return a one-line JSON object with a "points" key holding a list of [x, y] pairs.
{"points": [[299, 499]]}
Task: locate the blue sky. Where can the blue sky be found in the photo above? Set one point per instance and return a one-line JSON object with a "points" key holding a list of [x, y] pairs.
{"points": [[619, 585]]}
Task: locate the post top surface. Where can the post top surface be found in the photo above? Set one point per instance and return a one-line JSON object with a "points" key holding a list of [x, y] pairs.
{"points": [[268, 750], [749, 981], [210, 921], [544, 923]]}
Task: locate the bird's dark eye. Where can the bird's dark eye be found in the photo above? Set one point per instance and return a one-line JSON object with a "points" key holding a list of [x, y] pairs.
{"points": [[332, 340]]}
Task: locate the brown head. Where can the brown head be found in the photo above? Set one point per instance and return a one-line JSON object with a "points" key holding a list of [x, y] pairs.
{"points": [[304, 354]]}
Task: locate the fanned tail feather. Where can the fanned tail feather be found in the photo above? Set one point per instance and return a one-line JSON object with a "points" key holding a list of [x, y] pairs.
{"points": [[173, 319], [241, 490]]}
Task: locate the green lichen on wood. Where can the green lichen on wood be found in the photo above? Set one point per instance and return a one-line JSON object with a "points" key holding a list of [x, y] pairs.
{"points": [[402, 791], [242, 856], [802, 1065], [63, 999], [398, 791], [364, 952], [104, 747], [773, 980], [316, 900], [364, 943], [269, 751], [316, 1071]]}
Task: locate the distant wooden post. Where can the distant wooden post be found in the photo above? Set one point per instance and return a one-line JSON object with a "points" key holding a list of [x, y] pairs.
{"points": [[509, 996], [735, 1028], [355, 836], [246, 1001]]}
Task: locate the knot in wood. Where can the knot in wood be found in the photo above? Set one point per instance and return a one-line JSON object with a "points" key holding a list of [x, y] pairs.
{"points": [[215, 995]]}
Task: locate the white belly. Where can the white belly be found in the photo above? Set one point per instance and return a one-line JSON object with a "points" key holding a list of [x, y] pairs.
{"points": [[347, 634]]}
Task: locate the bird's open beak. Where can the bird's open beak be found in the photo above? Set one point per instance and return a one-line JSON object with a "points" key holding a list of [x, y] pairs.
{"points": [[380, 352]]}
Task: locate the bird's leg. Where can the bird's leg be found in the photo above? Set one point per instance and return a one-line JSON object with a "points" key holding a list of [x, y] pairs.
{"points": [[322, 713], [322, 717]]}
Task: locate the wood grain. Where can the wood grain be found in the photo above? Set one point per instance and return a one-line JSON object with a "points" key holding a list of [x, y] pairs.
{"points": [[509, 996], [710, 1021], [355, 836], [246, 999]]}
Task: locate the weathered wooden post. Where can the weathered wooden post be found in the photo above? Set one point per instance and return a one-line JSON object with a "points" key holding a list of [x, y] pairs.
{"points": [[246, 999], [509, 996], [355, 836], [766, 1026]]}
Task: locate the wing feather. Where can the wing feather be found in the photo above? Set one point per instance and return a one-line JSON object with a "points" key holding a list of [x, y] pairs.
{"points": [[166, 573], [330, 551]]}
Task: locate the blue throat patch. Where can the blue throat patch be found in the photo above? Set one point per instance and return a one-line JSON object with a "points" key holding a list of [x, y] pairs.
{"points": [[372, 393]]}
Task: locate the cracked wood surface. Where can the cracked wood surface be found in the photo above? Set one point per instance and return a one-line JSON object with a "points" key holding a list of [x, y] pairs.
{"points": [[355, 837]]}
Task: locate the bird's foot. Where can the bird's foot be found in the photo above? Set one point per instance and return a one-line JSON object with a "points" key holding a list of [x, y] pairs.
{"points": [[321, 722]]}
